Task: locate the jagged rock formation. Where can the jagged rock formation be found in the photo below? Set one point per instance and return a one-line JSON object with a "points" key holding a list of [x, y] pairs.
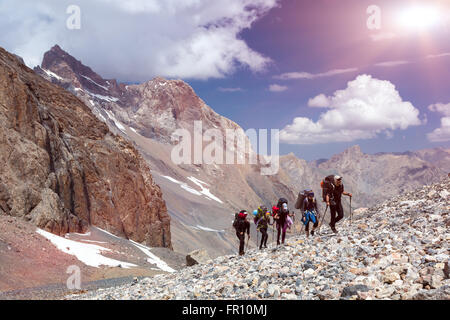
{"points": [[397, 250], [63, 169]]}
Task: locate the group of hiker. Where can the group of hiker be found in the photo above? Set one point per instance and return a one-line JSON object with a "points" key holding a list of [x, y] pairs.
{"points": [[283, 219]]}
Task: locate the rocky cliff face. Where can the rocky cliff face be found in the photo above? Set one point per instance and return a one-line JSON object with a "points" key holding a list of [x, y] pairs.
{"points": [[63, 169]]}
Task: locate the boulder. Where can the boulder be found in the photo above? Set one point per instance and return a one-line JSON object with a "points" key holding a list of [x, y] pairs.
{"points": [[353, 290], [197, 257]]}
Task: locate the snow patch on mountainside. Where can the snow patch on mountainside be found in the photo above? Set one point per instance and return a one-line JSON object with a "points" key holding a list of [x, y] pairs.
{"points": [[53, 75], [108, 233], [205, 191], [199, 227], [99, 85], [116, 122], [104, 98], [89, 254], [152, 259], [183, 185]]}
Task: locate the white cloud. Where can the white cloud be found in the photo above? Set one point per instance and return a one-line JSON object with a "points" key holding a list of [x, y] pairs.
{"points": [[309, 76], [277, 88], [230, 89], [320, 101], [366, 108], [441, 134], [441, 108], [392, 63], [136, 40], [440, 55]]}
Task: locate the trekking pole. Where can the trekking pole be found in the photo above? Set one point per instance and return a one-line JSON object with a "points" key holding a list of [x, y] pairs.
{"points": [[257, 238], [303, 225], [351, 213], [321, 222], [273, 234]]}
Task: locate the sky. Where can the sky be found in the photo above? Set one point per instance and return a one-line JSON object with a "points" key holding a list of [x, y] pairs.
{"points": [[329, 74]]}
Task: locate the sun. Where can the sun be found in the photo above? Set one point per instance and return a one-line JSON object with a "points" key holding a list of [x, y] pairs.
{"points": [[419, 18]]}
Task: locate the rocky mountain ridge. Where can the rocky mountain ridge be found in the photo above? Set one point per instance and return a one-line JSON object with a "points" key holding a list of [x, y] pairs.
{"points": [[63, 169], [147, 114], [398, 250]]}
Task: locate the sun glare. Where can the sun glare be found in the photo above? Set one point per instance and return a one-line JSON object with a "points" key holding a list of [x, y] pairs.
{"points": [[419, 17]]}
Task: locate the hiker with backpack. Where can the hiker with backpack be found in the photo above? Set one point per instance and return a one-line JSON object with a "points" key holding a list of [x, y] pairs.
{"points": [[310, 213], [242, 226], [333, 189], [262, 221], [282, 217]]}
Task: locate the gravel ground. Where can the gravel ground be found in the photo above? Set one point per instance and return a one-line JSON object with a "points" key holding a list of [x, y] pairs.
{"points": [[398, 250], [59, 291]]}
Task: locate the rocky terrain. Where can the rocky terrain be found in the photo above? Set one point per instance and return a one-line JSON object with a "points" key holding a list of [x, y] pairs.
{"points": [[201, 199], [34, 264], [64, 170], [396, 250]]}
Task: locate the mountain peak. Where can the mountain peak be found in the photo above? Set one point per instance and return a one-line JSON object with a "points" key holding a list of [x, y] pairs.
{"points": [[57, 48], [63, 65], [56, 53], [356, 149]]}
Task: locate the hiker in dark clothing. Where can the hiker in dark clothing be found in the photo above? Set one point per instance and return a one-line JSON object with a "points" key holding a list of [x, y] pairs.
{"points": [[242, 226], [311, 213], [281, 218], [333, 200], [262, 224]]}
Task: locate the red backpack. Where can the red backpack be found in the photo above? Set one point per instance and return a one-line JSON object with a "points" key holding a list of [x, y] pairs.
{"points": [[275, 211]]}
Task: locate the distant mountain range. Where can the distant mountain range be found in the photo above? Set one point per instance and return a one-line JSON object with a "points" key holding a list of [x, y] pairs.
{"points": [[202, 199]]}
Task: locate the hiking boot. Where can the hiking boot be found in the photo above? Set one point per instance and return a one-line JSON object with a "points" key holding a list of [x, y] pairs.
{"points": [[334, 230], [312, 232], [307, 234]]}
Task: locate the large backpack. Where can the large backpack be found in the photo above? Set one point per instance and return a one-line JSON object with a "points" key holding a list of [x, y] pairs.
{"points": [[236, 218], [239, 224], [275, 211], [261, 213], [301, 198], [327, 186], [280, 202]]}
